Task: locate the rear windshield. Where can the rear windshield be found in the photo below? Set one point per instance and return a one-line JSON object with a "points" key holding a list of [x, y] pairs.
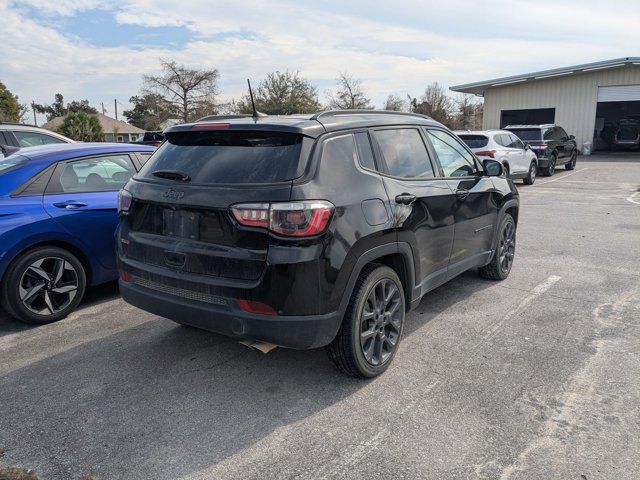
{"points": [[474, 141], [228, 157], [527, 133], [11, 162]]}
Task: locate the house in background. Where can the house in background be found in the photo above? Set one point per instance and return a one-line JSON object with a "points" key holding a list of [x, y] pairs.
{"points": [[114, 130]]}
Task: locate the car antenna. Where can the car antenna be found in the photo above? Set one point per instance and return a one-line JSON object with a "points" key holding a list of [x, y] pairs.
{"points": [[256, 114]]}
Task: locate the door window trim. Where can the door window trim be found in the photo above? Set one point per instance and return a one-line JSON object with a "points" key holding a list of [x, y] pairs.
{"points": [[475, 159], [55, 178]]}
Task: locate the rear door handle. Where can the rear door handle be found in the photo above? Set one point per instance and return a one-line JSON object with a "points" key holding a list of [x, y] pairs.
{"points": [[461, 193], [405, 198], [70, 205]]}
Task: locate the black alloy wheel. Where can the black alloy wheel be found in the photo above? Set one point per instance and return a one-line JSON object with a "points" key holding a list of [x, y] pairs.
{"points": [[381, 322], [371, 329]]}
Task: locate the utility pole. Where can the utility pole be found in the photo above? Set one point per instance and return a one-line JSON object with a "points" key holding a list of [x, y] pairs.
{"points": [[103, 110], [115, 104], [33, 107]]}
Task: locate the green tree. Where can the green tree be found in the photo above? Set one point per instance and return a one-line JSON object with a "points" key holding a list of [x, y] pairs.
{"points": [[282, 94], [149, 111], [58, 109], [9, 106], [82, 126], [350, 94], [190, 92]]}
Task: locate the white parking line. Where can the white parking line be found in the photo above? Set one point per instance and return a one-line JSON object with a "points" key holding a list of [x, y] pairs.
{"points": [[630, 198], [565, 176]]}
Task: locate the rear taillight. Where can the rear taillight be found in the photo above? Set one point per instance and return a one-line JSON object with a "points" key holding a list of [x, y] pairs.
{"points": [[124, 201], [291, 219], [486, 153], [156, 144]]}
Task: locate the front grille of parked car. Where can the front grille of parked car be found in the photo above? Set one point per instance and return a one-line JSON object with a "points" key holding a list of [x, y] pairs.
{"points": [[180, 292]]}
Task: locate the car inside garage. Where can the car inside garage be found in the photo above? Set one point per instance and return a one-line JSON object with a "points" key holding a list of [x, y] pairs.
{"points": [[617, 126]]}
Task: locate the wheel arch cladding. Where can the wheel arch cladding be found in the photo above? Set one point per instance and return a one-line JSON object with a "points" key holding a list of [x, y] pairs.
{"points": [[398, 256]]}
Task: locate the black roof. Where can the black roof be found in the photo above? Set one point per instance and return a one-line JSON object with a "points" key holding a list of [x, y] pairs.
{"points": [[311, 125]]}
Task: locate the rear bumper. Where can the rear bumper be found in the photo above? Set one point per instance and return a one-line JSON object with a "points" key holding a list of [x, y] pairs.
{"points": [[226, 318]]}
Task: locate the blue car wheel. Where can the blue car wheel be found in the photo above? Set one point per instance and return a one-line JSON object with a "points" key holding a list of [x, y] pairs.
{"points": [[43, 285]]}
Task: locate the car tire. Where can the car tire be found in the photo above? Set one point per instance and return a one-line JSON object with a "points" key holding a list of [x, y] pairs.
{"points": [[502, 260], [371, 329], [531, 176], [551, 168], [507, 170], [571, 164], [43, 285]]}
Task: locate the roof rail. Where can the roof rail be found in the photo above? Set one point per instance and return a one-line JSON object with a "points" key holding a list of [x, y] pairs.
{"points": [[222, 117], [333, 113], [2, 122]]}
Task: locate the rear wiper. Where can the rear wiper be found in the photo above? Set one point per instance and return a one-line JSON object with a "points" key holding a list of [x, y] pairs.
{"points": [[172, 175]]}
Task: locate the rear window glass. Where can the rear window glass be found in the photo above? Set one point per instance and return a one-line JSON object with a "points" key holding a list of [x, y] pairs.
{"points": [[526, 133], [228, 157], [475, 141], [11, 162]]}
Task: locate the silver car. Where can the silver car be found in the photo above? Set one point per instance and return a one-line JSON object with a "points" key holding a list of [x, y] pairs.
{"points": [[518, 159]]}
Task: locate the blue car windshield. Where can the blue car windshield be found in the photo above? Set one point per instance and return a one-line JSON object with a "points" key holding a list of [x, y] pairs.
{"points": [[11, 162]]}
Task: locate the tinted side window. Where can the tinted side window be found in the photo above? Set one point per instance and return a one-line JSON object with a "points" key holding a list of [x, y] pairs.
{"points": [[548, 134], [342, 148], [562, 135], [404, 153], [453, 157], [98, 174], [32, 139], [365, 153], [502, 140], [515, 142]]}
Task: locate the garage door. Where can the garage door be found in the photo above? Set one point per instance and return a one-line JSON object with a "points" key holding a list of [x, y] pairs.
{"points": [[620, 93]]}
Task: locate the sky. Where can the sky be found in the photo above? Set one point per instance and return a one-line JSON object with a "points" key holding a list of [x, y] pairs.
{"points": [[99, 50]]}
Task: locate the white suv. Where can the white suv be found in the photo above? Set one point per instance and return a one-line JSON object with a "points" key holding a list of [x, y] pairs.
{"points": [[518, 159], [18, 135]]}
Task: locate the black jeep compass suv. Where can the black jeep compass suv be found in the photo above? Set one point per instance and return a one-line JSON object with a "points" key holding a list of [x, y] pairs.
{"points": [[310, 231]]}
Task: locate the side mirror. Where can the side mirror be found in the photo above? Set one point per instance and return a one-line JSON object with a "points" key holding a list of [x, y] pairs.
{"points": [[493, 168], [572, 137], [527, 146]]}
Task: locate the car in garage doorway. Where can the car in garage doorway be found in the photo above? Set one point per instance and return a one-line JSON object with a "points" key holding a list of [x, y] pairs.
{"points": [[518, 159], [551, 144], [58, 214]]}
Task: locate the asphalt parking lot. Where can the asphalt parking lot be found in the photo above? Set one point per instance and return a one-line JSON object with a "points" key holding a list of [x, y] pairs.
{"points": [[534, 377]]}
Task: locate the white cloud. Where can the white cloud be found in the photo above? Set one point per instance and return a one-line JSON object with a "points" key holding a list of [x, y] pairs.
{"points": [[393, 47]]}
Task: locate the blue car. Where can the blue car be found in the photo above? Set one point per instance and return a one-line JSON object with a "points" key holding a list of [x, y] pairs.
{"points": [[58, 214]]}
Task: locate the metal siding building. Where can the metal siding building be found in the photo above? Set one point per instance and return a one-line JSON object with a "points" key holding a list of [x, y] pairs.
{"points": [[572, 91]]}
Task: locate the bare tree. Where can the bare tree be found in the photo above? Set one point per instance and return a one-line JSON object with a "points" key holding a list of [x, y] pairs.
{"points": [[435, 103], [469, 113], [395, 103], [190, 91], [350, 94]]}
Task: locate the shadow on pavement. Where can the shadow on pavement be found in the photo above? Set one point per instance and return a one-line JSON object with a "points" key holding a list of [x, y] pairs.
{"points": [[159, 400], [94, 295]]}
